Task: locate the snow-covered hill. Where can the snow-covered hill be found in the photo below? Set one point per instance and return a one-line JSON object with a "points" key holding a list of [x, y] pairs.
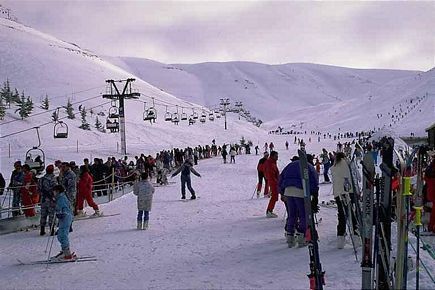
{"points": [[318, 95], [40, 64]]}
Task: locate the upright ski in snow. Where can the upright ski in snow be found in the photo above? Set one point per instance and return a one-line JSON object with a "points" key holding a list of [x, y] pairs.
{"points": [[316, 275]]}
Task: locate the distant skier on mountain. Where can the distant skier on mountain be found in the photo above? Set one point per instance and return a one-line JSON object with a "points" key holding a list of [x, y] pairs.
{"points": [[233, 154], [271, 147], [186, 168], [326, 164], [224, 153], [286, 145]]}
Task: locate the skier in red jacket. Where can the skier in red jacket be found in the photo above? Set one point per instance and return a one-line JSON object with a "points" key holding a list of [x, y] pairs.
{"points": [[260, 171], [85, 187], [271, 173]]}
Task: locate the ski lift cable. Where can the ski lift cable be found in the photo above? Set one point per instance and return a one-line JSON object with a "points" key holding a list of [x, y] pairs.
{"points": [[172, 105], [49, 111], [48, 123]]}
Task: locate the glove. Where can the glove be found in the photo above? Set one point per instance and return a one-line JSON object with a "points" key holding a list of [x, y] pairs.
{"points": [[283, 198], [315, 204], [60, 216]]}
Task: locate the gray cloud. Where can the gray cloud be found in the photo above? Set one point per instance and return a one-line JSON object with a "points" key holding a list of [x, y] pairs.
{"points": [[357, 34]]}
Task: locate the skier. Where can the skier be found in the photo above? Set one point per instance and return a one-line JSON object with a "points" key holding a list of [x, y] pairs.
{"points": [[144, 191], [271, 173], [48, 202], [343, 193], [430, 187], [2, 184], [29, 192], [266, 147], [64, 215], [291, 189], [224, 153], [69, 184], [85, 186], [256, 150], [286, 145], [15, 184], [260, 172], [232, 155], [186, 168], [326, 165], [271, 146]]}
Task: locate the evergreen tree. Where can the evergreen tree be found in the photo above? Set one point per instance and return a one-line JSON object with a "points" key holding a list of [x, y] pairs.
{"points": [[2, 109], [45, 103], [99, 125], [6, 93], [15, 98], [69, 110], [22, 107], [29, 105], [54, 116], [85, 125]]}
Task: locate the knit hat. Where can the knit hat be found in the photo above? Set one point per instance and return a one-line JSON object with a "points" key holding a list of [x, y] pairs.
{"points": [[49, 169]]}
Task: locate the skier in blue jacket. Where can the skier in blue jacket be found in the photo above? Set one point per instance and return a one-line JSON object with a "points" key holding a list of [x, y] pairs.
{"points": [[290, 187], [186, 168], [64, 215]]}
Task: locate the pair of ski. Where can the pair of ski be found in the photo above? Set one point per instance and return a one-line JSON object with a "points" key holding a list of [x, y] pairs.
{"points": [[77, 259], [88, 217], [316, 275]]}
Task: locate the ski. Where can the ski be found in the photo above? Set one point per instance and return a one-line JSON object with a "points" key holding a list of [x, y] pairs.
{"points": [[316, 274], [51, 261], [367, 219], [88, 217]]}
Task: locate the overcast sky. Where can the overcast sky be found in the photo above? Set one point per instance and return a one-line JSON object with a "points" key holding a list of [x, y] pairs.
{"points": [[398, 35]]}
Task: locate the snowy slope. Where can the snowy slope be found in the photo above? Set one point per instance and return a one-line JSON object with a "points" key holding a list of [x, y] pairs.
{"points": [[220, 241], [40, 64]]}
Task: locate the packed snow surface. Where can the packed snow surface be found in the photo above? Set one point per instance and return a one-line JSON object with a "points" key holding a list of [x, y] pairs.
{"points": [[221, 240]]}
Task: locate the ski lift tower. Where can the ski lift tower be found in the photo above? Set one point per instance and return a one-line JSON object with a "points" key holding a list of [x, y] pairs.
{"points": [[224, 103], [239, 106], [113, 93]]}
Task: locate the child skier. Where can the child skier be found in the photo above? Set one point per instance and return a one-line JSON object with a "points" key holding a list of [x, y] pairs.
{"points": [[144, 191], [64, 215]]}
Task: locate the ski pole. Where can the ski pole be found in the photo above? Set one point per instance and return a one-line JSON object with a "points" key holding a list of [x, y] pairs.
{"points": [[253, 194], [418, 223], [52, 239]]}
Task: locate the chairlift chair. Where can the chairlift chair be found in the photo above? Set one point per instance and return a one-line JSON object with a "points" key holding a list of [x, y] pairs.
{"points": [[168, 116], [183, 115], [191, 120], [112, 125], [203, 118], [113, 112], [150, 115], [175, 118], [195, 115], [38, 163], [60, 130], [211, 116]]}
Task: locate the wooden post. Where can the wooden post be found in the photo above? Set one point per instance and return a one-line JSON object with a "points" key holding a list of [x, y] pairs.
{"points": [[77, 146], [9, 155]]}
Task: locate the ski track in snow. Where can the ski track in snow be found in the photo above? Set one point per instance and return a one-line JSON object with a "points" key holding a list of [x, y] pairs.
{"points": [[222, 240]]}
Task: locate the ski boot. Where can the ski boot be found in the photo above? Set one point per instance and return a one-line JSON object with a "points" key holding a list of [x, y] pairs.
{"points": [[42, 231], [270, 214], [291, 242], [145, 225], [183, 197], [97, 213], [341, 240], [193, 196], [139, 225], [80, 214], [300, 240]]}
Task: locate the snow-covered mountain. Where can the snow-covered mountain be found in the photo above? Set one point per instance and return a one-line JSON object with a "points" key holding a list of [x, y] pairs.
{"points": [[289, 94], [40, 64], [304, 96]]}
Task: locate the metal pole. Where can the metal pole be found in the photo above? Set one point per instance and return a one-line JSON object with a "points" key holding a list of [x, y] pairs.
{"points": [[122, 125]]}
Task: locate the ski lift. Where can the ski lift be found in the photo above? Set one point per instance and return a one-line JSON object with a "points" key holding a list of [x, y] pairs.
{"points": [[218, 114], [149, 114], [113, 112], [191, 120], [211, 116], [112, 125], [183, 115], [168, 116], [195, 115], [60, 130], [175, 117], [37, 163]]}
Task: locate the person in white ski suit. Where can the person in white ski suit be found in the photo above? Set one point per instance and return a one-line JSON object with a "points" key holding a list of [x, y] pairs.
{"points": [[144, 191], [343, 195], [48, 202]]}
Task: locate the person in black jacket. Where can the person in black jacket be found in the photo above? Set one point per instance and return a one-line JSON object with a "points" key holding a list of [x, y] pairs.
{"points": [[2, 184], [186, 168]]}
